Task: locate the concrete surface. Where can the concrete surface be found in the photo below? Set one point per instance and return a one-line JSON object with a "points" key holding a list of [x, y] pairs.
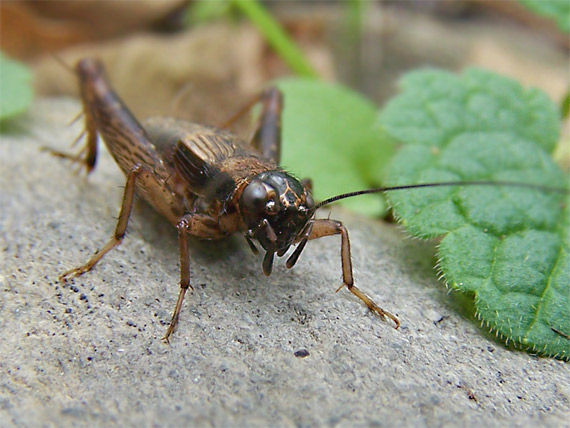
{"points": [[89, 353]]}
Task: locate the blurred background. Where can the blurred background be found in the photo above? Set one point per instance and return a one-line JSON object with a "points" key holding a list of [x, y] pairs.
{"points": [[202, 59]]}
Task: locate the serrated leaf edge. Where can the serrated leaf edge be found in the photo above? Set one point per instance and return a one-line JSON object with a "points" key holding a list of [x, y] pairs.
{"points": [[533, 349]]}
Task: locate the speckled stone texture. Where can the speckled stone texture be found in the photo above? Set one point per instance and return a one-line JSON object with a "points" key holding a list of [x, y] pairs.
{"points": [[89, 353]]}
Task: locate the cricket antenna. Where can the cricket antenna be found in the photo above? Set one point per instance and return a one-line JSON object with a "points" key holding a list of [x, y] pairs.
{"points": [[62, 63], [443, 184]]}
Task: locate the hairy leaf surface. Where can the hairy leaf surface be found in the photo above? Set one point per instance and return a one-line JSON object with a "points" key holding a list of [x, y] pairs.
{"points": [[508, 246]]}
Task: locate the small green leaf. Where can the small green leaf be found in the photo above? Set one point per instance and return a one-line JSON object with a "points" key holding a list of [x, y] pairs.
{"points": [[15, 88], [330, 134], [505, 245], [559, 10]]}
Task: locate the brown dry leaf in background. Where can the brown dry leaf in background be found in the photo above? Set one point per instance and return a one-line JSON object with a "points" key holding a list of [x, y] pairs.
{"points": [[29, 28], [25, 34], [203, 75]]}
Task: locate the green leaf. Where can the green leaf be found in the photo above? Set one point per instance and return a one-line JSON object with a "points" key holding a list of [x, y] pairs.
{"points": [[508, 246], [331, 135], [559, 10], [436, 105], [15, 87]]}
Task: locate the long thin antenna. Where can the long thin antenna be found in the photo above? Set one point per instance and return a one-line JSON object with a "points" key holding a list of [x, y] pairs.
{"points": [[63, 63], [442, 184]]}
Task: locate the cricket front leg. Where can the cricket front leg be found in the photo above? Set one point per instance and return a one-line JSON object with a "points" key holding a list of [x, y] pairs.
{"points": [[193, 224], [182, 226], [325, 227]]}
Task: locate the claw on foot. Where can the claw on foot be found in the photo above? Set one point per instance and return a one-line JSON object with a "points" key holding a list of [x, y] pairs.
{"points": [[176, 314], [371, 305], [169, 331], [73, 273], [80, 158]]}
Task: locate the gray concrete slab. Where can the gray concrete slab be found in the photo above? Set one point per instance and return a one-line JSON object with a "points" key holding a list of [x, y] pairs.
{"points": [[89, 352]]}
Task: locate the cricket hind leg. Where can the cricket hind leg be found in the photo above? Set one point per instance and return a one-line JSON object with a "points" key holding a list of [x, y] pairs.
{"points": [[121, 227], [324, 227], [266, 137], [87, 156], [143, 176]]}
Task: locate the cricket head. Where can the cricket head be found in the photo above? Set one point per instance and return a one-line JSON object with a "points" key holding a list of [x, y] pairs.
{"points": [[276, 208]]}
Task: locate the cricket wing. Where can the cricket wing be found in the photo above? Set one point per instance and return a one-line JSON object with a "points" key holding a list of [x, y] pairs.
{"points": [[196, 153]]}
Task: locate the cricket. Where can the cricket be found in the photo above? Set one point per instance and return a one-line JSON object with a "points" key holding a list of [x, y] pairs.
{"points": [[209, 183]]}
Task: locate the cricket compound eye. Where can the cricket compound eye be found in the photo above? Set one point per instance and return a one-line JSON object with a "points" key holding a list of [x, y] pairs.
{"points": [[259, 198]]}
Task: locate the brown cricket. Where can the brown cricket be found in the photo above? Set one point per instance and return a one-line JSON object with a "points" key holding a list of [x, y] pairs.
{"points": [[206, 181], [210, 184]]}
